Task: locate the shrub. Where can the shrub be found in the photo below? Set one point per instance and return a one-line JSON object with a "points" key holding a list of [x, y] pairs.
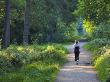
{"points": [[45, 59], [50, 54], [102, 64], [95, 44], [35, 72], [72, 38], [5, 64], [103, 31], [101, 60]]}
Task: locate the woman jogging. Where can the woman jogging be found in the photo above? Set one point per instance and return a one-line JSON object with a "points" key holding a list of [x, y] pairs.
{"points": [[76, 51]]}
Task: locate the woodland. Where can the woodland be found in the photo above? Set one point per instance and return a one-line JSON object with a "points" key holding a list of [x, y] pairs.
{"points": [[33, 34]]}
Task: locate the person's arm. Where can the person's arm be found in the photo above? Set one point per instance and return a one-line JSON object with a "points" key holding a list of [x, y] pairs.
{"points": [[73, 46]]}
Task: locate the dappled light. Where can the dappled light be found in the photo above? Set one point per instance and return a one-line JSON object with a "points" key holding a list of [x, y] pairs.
{"points": [[89, 26], [50, 40]]}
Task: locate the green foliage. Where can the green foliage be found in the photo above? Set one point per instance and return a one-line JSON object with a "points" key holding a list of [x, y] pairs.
{"points": [[88, 26], [100, 46], [44, 20], [97, 43], [35, 63], [102, 31], [35, 72], [102, 64], [2, 10], [101, 58], [71, 33], [5, 64], [97, 10], [72, 38], [62, 33]]}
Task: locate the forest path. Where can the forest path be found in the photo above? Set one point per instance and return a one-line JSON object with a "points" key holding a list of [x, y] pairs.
{"points": [[83, 72]]}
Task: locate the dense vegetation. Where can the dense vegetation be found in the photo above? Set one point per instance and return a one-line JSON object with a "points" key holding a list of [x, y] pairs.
{"points": [[34, 23], [26, 26], [96, 21], [50, 21], [101, 57], [35, 63], [100, 47]]}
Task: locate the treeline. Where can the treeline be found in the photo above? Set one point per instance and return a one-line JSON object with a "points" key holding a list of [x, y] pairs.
{"points": [[96, 21], [36, 21]]}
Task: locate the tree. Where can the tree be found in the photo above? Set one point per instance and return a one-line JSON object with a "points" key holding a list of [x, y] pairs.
{"points": [[6, 35], [2, 13], [96, 10], [42, 18], [26, 23]]}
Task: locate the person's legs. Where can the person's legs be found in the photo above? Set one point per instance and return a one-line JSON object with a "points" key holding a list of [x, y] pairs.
{"points": [[77, 57]]}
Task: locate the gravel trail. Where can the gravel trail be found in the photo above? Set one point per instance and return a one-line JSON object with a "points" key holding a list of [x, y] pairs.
{"points": [[83, 72]]}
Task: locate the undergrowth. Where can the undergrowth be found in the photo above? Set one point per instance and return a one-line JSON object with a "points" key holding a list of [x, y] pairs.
{"points": [[100, 58], [34, 63]]}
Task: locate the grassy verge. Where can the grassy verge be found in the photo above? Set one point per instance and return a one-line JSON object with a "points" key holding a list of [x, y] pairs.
{"points": [[34, 63], [101, 60]]}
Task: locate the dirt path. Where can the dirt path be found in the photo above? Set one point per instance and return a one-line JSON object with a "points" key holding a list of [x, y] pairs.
{"points": [[83, 72]]}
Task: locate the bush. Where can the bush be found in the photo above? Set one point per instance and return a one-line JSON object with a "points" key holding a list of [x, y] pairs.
{"points": [[103, 31], [5, 64], [102, 64], [35, 72], [101, 60], [95, 44], [72, 38], [45, 59]]}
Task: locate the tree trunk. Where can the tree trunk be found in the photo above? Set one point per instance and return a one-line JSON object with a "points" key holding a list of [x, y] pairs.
{"points": [[26, 23], [6, 29]]}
